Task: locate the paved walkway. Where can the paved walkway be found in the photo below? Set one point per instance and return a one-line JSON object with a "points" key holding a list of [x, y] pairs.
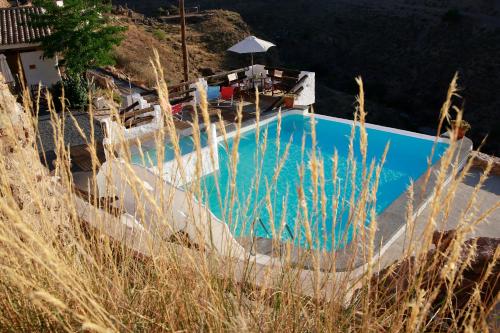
{"points": [[488, 196]]}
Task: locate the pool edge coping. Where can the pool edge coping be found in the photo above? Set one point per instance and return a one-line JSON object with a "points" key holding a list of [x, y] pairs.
{"points": [[252, 124]]}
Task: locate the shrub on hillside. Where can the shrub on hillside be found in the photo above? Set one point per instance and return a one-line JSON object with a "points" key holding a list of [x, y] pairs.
{"points": [[172, 10], [160, 34], [75, 92]]}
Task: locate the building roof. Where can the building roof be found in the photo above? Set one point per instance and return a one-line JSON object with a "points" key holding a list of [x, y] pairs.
{"points": [[15, 26]]}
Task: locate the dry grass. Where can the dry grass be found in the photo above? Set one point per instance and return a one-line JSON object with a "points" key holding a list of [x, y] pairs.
{"points": [[59, 274], [207, 41]]}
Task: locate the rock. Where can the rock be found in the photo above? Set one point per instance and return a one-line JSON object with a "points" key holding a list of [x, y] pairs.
{"points": [[207, 71], [481, 160], [17, 151], [389, 282]]}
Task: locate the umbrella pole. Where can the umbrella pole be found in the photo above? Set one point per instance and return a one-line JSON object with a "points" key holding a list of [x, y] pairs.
{"points": [[183, 39], [253, 86]]}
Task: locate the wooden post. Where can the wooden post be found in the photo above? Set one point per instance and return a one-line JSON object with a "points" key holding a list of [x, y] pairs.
{"points": [[183, 38]]}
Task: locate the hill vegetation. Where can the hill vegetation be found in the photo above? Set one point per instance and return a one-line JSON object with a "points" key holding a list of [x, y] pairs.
{"points": [[406, 51], [208, 38]]}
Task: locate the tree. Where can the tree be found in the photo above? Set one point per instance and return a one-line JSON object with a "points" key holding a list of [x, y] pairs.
{"points": [[80, 32]]}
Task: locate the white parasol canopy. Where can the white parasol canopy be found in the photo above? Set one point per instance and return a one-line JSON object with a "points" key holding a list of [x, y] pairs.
{"points": [[251, 45], [5, 69]]}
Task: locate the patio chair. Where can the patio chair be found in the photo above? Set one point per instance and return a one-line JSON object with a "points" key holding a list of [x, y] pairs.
{"points": [[277, 74], [177, 109], [226, 96], [213, 93], [240, 81], [180, 124]]}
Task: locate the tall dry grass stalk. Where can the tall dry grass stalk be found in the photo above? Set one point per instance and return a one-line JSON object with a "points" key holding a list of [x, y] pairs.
{"points": [[62, 270]]}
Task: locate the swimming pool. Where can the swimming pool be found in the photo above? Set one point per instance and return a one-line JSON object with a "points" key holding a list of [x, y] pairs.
{"points": [[262, 200], [259, 200]]}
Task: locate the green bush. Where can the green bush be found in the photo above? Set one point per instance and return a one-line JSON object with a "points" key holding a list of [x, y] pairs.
{"points": [[161, 11], [173, 10], [81, 31], [75, 92], [160, 34]]}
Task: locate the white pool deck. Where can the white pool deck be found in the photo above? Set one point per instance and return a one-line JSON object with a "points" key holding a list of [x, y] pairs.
{"points": [[488, 196]]}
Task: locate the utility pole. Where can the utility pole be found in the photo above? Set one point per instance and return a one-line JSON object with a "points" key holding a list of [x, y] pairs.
{"points": [[183, 38]]}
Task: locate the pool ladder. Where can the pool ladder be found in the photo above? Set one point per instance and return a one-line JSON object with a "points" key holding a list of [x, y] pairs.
{"points": [[254, 238], [287, 228]]}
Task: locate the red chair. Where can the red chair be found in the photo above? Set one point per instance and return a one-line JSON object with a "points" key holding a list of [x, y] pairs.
{"points": [[226, 95], [176, 109]]}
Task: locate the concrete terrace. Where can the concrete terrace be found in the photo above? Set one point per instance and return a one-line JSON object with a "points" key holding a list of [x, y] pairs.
{"points": [[278, 88], [487, 197]]}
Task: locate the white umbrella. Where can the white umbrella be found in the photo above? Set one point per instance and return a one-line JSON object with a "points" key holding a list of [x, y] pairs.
{"points": [[251, 45], [4, 68]]}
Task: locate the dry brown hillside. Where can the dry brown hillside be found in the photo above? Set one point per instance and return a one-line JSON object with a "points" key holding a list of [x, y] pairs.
{"points": [[407, 51], [208, 38]]}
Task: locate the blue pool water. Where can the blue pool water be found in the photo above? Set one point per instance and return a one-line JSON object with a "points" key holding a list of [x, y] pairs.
{"points": [[247, 208]]}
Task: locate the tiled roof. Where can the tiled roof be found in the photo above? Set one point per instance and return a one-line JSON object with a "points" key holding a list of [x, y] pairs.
{"points": [[15, 27]]}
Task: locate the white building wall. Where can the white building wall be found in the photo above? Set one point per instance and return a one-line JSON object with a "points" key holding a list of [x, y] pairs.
{"points": [[38, 69], [172, 171], [308, 95]]}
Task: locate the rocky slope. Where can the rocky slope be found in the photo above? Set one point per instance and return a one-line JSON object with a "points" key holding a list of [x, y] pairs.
{"points": [[208, 38]]}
